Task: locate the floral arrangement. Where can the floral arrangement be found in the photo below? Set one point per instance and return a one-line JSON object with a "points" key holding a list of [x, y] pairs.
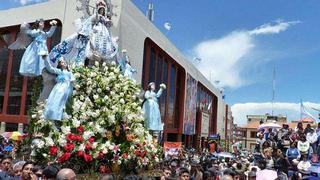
{"points": [[102, 126]]}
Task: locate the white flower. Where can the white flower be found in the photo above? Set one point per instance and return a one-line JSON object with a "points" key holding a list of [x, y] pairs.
{"points": [[122, 101], [81, 147], [33, 116], [87, 135], [96, 63], [99, 90], [94, 145], [113, 63], [95, 96], [105, 151], [76, 75], [76, 123], [49, 141], [62, 141], [104, 64], [112, 119], [65, 129], [93, 74], [33, 152]]}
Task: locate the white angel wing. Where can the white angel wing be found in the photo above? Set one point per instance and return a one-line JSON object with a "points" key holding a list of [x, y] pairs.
{"points": [[23, 39], [84, 8]]}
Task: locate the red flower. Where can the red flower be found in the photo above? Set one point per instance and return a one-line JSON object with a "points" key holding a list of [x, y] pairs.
{"points": [[80, 153], [91, 140], [77, 138], [125, 155], [80, 129], [87, 157], [88, 146], [70, 137], [64, 157], [53, 150], [101, 155], [69, 147]]}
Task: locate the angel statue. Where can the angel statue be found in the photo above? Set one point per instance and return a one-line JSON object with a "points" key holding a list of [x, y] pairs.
{"points": [[61, 91], [102, 45], [125, 66], [36, 40], [151, 108]]}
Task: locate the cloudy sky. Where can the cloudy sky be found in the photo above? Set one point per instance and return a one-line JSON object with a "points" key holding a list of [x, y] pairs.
{"points": [[240, 43]]}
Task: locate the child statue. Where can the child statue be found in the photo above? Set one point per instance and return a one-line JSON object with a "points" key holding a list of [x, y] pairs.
{"points": [[151, 108], [31, 63], [125, 66], [61, 91]]}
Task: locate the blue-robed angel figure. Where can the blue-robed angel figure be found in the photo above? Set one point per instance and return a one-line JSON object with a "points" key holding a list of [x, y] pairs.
{"points": [[72, 49], [125, 66], [36, 42], [61, 91], [151, 108]]}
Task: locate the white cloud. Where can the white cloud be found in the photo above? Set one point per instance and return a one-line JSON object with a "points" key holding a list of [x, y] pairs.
{"points": [[272, 29], [292, 110], [25, 2], [226, 58]]}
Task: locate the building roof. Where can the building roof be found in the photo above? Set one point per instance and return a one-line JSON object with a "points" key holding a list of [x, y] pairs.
{"points": [[253, 125]]}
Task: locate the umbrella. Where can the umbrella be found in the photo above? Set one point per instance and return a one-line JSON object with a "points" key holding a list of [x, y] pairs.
{"points": [[15, 135], [225, 155], [267, 175], [269, 125]]}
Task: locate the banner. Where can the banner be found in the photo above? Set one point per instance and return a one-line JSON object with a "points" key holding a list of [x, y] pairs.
{"points": [[190, 112], [205, 119], [171, 149]]}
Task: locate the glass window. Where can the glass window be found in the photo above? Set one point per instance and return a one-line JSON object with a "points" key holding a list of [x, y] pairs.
{"points": [[152, 66], [172, 95], [11, 127], [177, 99], [5, 38], [159, 71], [30, 93], [16, 82], [163, 98]]}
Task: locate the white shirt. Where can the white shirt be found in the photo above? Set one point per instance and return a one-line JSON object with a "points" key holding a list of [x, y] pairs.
{"points": [[312, 138]]}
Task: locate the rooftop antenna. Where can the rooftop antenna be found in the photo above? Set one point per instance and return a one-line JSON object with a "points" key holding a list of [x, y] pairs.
{"points": [[150, 12]]}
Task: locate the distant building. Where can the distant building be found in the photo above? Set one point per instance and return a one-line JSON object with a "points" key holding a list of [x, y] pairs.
{"points": [[254, 122]]}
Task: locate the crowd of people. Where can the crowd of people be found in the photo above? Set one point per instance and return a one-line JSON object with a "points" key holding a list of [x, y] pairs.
{"points": [[281, 154]]}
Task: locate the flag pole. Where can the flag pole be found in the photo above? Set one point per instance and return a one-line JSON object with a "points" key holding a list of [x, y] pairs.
{"points": [[273, 88], [300, 109]]}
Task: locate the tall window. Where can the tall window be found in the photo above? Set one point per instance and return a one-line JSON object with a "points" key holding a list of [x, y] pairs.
{"points": [[16, 82], [161, 68], [6, 38]]}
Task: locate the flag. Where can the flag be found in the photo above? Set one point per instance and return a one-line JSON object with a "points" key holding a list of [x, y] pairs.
{"points": [[305, 113]]}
